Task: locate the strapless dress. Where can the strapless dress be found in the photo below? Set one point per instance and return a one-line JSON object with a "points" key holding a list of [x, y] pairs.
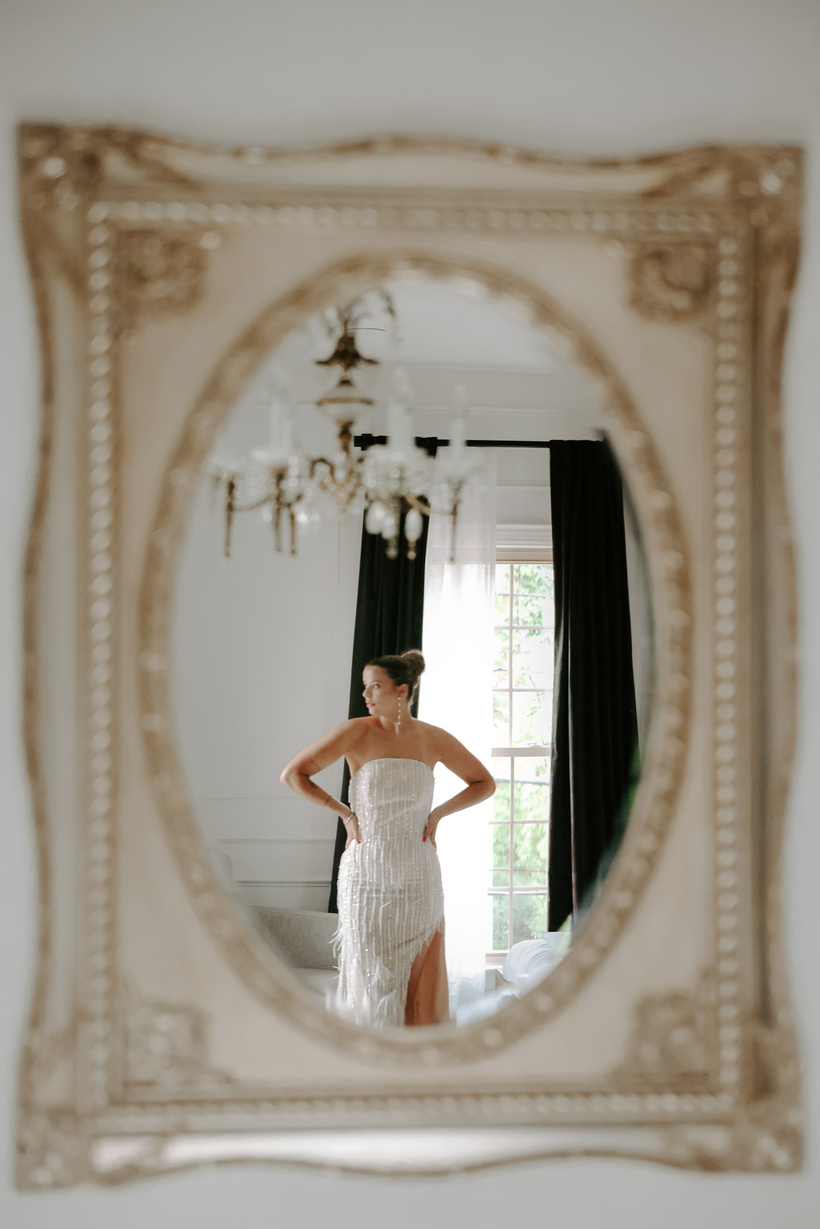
{"points": [[390, 938]]}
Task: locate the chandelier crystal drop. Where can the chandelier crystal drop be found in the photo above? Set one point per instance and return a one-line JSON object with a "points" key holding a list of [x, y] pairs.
{"points": [[395, 484]]}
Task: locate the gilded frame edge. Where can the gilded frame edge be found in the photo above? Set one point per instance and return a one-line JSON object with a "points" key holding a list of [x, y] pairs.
{"points": [[777, 268]]}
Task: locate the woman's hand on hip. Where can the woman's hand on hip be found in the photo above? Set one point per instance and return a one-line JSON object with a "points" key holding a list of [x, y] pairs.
{"points": [[352, 830], [433, 820]]}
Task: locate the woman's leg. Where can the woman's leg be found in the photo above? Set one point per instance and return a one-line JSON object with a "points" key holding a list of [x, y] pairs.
{"points": [[427, 994]]}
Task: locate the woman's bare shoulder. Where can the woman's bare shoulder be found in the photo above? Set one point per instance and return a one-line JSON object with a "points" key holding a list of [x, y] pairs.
{"points": [[435, 735], [447, 749], [352, 731], [354, 723], [344, 737], [343, 730], [355, 731]]}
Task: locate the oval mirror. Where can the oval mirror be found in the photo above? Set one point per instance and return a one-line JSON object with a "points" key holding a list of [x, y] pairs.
{"points": [[530, 606]]}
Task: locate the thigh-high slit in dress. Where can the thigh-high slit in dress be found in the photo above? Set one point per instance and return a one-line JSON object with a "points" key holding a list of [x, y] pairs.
{"points": [[390, 940]]}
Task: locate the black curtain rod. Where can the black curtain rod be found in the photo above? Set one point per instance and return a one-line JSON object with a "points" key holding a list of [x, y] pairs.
{"points": [[367, 441], [504, 443]]}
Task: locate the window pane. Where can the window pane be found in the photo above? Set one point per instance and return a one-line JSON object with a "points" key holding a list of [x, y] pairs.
{"points": [[501, 719], [535, 610], [529, 917], [500, 767], [524, 660], [501, 926], [531, 718], [534, 578], [530, 856], [501, 855], [501, 797], [534, 768], [532, 792], [501, 649], [533, 658]]}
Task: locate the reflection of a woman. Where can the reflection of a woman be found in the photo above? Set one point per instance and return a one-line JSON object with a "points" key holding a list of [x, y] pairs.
{"points": [[391, 907]]}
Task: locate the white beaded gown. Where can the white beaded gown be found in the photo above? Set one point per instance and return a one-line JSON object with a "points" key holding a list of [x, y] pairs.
{"points": [[390, 900]]}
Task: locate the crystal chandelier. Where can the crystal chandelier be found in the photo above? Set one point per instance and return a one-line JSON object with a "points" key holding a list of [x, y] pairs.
{"points": [[395, 484]]}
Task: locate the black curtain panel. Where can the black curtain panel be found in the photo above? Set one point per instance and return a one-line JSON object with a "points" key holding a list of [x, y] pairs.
{"points": [[595, 729], [389, 608]]}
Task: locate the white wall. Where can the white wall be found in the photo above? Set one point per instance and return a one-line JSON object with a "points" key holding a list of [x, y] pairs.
{"points": [[579, 76], [261, 647]]}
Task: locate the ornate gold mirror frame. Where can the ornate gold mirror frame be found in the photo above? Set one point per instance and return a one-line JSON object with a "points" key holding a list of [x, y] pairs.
{"points": [[163, 1032]]}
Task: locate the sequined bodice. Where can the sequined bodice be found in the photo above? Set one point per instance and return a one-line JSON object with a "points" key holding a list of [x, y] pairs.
{"points": [[392, 799]]}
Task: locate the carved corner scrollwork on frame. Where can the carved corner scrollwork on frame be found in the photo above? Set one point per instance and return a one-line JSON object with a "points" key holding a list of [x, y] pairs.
{"points": [[753, 178], [673, 281], [53, 1150], [765, 1137], [63, 164], [676, 280], [674, 1040], [165, 1050], [157, 273], [63, 169], [167, 1046], [674, 1043], [59, 166]]}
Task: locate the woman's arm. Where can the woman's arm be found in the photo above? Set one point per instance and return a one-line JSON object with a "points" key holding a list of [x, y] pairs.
{"points": [[325, 751], [480, 784]]}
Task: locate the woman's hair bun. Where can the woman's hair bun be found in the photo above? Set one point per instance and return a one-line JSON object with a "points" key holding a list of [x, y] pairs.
{"points": [[415, 661], [402, 668]]}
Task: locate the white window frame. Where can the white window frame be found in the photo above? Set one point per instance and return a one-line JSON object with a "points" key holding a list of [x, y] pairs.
{"points": [[518, 544]]}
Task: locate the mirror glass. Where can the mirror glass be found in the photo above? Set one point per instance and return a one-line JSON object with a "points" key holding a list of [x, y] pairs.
{"points": [[262, 641]]}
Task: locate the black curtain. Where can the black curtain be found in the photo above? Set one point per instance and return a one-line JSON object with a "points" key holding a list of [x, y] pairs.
{"points": [[389, 607], [595, 729]]}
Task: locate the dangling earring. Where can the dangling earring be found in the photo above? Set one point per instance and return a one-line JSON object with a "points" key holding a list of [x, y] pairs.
{"points": [[398, 723]]}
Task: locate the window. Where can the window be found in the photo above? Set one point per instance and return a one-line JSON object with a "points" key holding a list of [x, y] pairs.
{"points": [[522, 707]]}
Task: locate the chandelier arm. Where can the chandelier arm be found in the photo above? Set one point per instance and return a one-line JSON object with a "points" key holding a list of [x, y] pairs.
{"points": [[277, 502], [453, 531], [259, 503], [230, 508], [277, 518], [328, 481], [420, 505]]}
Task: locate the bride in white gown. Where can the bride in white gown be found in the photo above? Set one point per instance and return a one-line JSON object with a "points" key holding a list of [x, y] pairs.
{"points": [[391, 908]]}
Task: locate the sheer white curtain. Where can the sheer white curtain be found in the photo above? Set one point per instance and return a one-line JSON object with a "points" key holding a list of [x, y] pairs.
{"points": [[456, 694]]}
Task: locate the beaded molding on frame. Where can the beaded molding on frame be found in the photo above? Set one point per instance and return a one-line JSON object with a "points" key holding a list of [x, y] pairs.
{"points": [[339, 284], [128, 221]]}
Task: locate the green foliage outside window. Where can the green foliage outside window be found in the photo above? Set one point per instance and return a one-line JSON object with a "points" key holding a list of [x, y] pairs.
{"points": [[522, 704]]}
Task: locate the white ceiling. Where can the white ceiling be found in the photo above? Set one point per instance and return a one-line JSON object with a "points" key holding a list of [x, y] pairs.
{"points": [[444, 326], [518, 387]]}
